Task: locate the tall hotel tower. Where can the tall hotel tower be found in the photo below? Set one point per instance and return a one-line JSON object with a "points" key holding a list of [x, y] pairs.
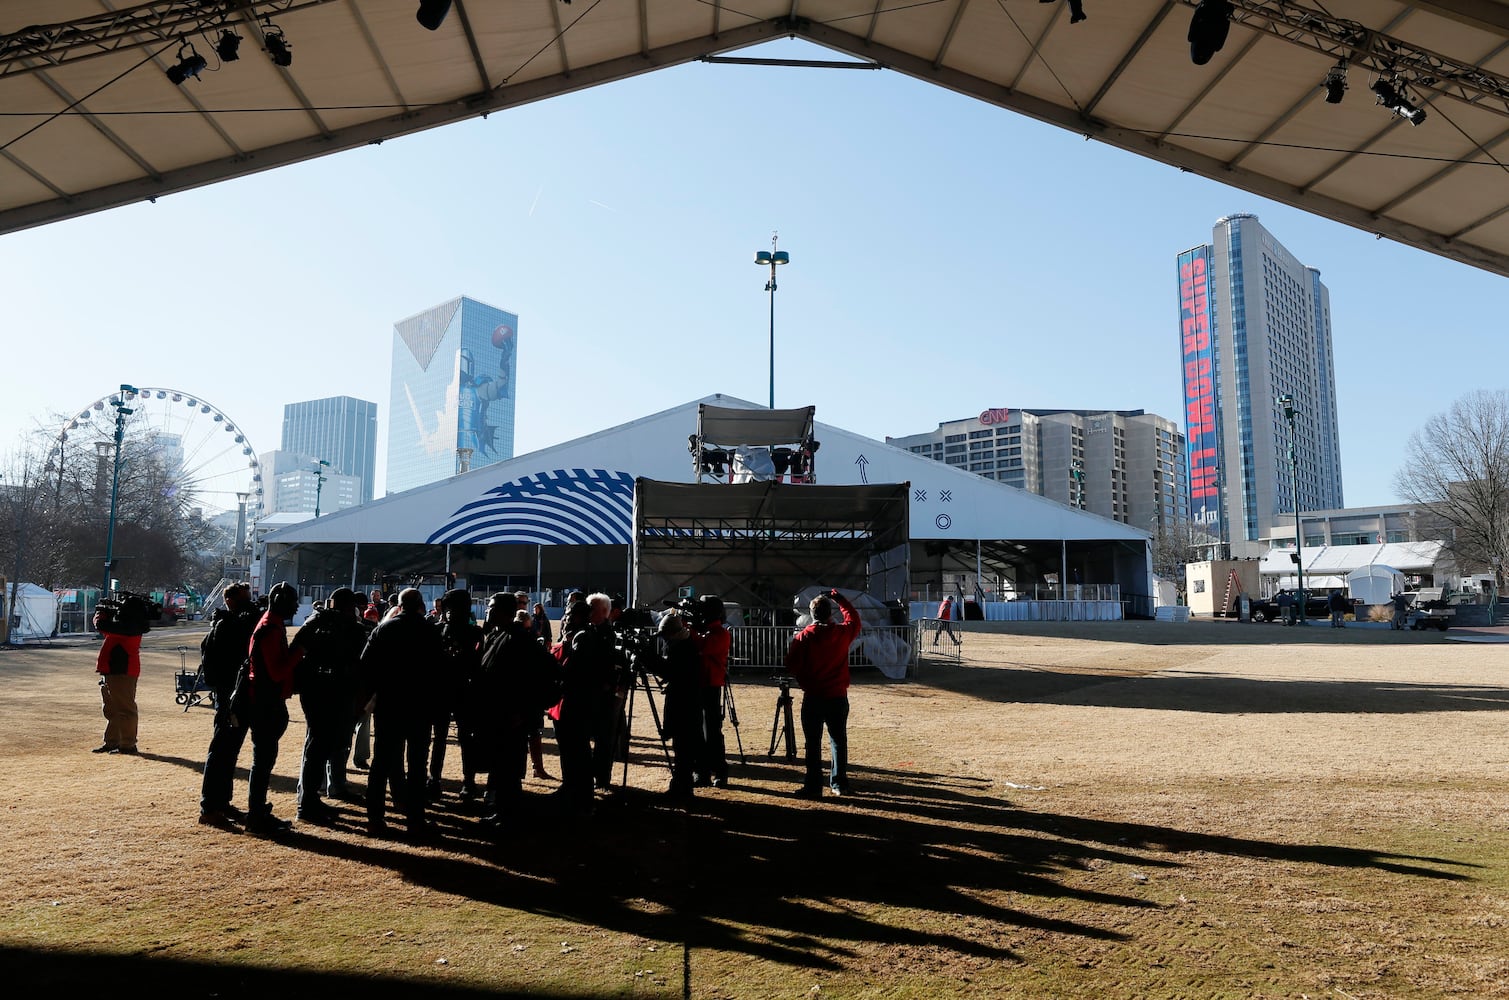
{"points": [[1255, 325], [452, 391]]}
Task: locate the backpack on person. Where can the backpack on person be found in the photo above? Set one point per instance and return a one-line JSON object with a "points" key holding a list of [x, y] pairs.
{"points": [[223, 648]]}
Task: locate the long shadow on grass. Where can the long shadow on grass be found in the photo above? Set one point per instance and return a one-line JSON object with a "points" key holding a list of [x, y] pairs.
{"points": [[805, 884], [31, 972], [1191, 692], [917, 861]]}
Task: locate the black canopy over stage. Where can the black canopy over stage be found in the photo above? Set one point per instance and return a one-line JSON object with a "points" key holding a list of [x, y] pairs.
{"points": [[757, 544]]}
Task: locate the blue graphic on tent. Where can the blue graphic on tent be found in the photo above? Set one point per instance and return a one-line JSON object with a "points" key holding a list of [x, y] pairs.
{"points": [[563, 507]]}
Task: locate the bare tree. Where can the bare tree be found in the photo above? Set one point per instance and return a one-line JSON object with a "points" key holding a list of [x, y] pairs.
{"points": [[23, 521], [1458, 465], [55, 502], [1175, 546]]}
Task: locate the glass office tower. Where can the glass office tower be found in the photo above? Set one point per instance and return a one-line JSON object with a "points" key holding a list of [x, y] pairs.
{"points": [[339, 429], [1254, 326], [452, 402]]}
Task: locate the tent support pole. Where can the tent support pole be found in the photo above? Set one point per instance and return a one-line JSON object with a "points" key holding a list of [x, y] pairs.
{"points": [[1063, 569], [356, 547]]}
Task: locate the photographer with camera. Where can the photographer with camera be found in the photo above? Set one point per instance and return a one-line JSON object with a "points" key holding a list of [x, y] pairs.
{"points": [[819, 660], [122, 621], [678, 664], [222, 651], [713, 643]]}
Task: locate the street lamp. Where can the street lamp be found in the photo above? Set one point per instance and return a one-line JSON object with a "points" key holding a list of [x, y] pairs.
{"points": [[122, 411], [319, 483], [1287, 402], [241, 501], [774, 258]]}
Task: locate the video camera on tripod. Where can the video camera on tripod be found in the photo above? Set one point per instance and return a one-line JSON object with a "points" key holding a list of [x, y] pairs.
{"points": [[701, 611]]}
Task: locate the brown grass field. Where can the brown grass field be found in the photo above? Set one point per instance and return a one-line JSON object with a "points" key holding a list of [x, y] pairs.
{"points": [[1105, 810]]}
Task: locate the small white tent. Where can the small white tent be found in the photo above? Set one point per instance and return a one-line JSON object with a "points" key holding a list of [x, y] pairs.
{"points": [[35, 615], [1375, 584]]}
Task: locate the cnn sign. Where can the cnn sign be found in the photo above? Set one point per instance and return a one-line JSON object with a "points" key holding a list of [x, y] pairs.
{"points": [[988, 417]]}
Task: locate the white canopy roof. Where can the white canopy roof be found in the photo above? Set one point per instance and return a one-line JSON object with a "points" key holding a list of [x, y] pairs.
{"points": [[581, 492], [1336, 561], [92, 120]]}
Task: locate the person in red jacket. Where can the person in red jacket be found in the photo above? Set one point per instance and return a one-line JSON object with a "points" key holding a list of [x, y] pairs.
{"points": [[713, 643], [272, 664], [945, 621], [119, 667], [819, 660]]}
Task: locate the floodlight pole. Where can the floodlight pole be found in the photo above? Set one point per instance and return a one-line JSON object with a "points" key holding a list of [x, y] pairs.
{"points": [[122, 411], [319, 483], [774, 258], [1287, 402]]}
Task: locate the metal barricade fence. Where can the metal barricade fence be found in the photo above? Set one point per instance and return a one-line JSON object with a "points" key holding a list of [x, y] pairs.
{"points": [[932, 638], [892, 649]]}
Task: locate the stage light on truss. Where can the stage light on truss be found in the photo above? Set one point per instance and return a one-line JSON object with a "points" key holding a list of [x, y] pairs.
{"points": [[1391, 95], [277, 46], [1336, 83], [1208, 28], [715, 461], [432, 13], [189, 64], [228, 46]]}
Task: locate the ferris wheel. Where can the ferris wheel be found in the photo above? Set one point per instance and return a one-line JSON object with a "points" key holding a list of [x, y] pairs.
{"points": [[211, 465]]}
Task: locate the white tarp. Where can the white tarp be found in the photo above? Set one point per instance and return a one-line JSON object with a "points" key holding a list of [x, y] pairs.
{"points": [[35, 614], [881, 645]]}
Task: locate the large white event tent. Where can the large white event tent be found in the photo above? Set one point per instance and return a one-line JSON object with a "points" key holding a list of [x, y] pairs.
{"points": [[564, 517]]}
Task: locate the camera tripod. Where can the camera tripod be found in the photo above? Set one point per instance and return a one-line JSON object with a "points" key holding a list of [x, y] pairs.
{"points": [[732, 712], [783, 724], [640, 678]]}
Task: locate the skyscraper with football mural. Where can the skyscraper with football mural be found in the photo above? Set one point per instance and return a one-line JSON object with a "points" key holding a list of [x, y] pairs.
{"points": [[452, 394]]}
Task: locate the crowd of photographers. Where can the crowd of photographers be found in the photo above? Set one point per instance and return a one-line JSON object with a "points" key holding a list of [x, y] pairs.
{"points": [[412, 673]]}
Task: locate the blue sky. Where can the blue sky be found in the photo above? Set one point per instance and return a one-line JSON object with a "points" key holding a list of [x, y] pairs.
{"points": [[947, 256]]}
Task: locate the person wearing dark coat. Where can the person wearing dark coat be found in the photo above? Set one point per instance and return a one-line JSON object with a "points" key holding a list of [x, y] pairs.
{"points": [[586, 730], [397, 669], [221, 652], [679, 666], [328, 681]]}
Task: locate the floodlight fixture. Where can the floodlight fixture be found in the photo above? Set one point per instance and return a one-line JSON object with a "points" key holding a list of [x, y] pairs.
{"points": [[1391, 95], [1335, 83], [228, 46], [277, 45], [1208, 28], [432, 13], [190, 63]]}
